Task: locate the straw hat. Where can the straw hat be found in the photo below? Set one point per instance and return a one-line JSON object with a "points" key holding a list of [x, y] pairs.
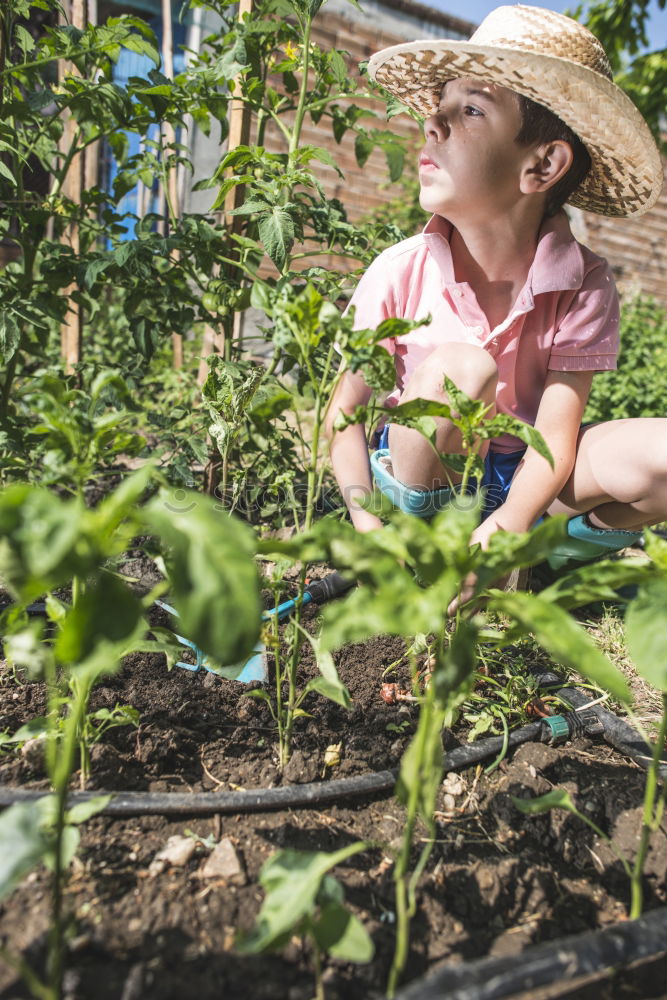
{"points": [[554, 61]]}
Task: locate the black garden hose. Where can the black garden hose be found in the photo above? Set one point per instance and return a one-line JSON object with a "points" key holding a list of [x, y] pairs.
{"points": [[561, 961], [306, 796], [617, 732]]}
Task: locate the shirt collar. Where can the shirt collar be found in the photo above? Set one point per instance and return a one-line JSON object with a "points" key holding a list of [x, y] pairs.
{"points": [[558, 264]]}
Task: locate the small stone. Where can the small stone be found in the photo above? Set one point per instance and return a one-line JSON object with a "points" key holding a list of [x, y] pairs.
{"points": [[454, 784], [133, 987], [485, 879], [176, 852], [79, 943], [224, 862], [301, 768], [449, 803], [32, 751], [537, 754], [211, 680]]}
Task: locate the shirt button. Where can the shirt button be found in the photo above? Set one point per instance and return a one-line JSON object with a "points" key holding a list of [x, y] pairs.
{"points": [[458, 293]]}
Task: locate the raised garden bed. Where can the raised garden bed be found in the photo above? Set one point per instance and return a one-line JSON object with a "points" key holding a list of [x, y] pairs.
{"points": [[497, 882]]}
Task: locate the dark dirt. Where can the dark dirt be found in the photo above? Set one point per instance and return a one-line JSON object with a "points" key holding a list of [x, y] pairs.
{"points": [[497, 881]]}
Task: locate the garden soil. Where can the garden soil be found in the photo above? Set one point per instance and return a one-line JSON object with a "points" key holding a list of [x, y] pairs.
{"points": [[497, 881]]}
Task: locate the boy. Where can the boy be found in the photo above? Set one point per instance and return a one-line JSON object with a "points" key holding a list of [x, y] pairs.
{"points": [[518, 120]]}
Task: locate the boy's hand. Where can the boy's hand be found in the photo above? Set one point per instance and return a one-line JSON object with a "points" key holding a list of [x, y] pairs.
{"points": [[364, 521], [480, 536]]}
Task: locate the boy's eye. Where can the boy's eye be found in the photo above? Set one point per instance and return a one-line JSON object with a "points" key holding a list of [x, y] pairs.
{"points": [[472, 111]]}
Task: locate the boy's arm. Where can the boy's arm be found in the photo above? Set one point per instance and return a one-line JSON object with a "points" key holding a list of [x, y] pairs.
{"points": [[536, 485], [349, 450]]}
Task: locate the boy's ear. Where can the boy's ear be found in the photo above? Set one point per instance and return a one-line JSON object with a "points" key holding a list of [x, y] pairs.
{"points": [[548, 163]]}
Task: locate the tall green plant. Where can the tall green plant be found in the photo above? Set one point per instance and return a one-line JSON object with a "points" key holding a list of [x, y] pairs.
{"points": [[410, 572], [48, 543]]}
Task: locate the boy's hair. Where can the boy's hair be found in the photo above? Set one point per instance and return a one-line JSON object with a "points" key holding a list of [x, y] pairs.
{"points": [[539, 125]]}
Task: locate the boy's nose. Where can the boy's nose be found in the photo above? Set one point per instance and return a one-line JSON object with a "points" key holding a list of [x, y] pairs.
{"points": [[436, 127]]}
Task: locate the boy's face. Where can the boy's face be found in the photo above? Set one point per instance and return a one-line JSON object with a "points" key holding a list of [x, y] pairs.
{"points": [[470, 167]]}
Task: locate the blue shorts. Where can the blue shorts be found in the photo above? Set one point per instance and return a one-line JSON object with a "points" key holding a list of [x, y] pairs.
{"points": [[499, 469]]}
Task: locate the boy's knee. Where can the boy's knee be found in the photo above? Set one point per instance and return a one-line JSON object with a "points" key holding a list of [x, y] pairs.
{"points": [[472, 369]]}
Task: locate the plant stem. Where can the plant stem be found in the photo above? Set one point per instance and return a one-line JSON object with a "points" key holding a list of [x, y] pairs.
{"points": [[303, 94], [317, 962], [649, 816], [402, 893], [283, 757]]}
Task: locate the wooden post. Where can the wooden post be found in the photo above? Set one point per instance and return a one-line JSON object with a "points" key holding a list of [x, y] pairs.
{"points": [[169, 140], [239, 135], [72, 12]]}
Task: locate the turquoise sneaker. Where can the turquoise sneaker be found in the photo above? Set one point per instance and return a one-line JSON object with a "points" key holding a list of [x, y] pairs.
{"points": [[585, 542]]}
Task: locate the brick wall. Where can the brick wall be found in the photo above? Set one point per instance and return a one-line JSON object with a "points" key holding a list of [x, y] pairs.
{"points": [[636, 249]]}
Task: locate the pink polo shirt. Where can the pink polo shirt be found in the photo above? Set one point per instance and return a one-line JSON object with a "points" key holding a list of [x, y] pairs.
{"points": [[564, 319]]}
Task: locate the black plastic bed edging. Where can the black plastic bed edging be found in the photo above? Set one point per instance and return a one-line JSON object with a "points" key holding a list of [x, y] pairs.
{"points": [[564, 960]]}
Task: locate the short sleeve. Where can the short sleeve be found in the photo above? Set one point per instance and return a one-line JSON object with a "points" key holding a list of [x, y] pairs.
{"points": [[587, 338], [374, 299]]}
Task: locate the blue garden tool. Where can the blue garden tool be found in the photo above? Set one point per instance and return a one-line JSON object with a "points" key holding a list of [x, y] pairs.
{"points": [[255, 669]]}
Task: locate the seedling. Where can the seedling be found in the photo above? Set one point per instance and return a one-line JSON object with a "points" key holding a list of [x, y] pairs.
{"points": [[302, 899]]}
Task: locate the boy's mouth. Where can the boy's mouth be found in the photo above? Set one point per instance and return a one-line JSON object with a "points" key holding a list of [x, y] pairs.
{"points": [[425, 163]]}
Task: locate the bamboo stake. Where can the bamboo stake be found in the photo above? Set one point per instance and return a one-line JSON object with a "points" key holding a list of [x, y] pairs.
{"points": [[239, 135], [71, 332], [169, 140]]}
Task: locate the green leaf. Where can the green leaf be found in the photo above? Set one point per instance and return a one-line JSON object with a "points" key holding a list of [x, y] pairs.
{"points": [[563, 638], [214, 584], [39, 541], [71, 839], [28, 650], [107, 612], [9, 176], [363, 147], [135, 43], [83, 811], [656, 548], [23, 843], [329, 684], [31, 730], [557, 798], [596, 582], [276, 231], [646, 632], [509, 551], [251, 207], [395, 156], [292, 880], [10, 335], [342, 935]]}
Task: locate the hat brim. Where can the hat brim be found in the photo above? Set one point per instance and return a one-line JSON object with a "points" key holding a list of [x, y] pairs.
{"points": [[626, 175]]}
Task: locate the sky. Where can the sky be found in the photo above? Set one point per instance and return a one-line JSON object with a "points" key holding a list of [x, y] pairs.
{"points": [[476, 10]]}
